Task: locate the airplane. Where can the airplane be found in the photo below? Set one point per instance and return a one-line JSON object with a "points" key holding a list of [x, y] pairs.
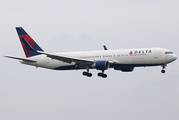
{"points": [[124, 60]]}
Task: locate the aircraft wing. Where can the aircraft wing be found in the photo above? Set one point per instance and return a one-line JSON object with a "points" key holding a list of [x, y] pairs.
{"points": [[68, 59]]}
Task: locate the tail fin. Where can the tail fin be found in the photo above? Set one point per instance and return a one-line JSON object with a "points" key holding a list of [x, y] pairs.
{"points": [[22, 34]]}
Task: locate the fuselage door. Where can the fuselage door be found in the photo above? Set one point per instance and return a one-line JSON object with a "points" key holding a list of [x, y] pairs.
{"points": [[166, 58], [155, 54]]}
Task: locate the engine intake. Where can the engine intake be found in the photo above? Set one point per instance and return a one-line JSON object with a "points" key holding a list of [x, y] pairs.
{"points": [[102, 65]]}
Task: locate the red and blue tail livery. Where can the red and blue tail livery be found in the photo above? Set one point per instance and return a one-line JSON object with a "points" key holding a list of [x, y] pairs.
{"points": [[23, 35]]}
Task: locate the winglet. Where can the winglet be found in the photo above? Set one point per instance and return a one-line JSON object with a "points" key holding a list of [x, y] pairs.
{"points": [[105, 48]]}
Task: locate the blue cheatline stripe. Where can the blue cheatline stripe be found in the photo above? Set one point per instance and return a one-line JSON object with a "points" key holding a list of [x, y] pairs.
{"points": [[69, 67], [132, 65], [72, 67]]}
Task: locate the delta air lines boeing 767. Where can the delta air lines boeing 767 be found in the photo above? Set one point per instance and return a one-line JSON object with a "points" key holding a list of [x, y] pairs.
{"points": [[123, 59]]}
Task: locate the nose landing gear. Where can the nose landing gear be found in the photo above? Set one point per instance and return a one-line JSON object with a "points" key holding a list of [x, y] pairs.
{"points": [[163, 67], [162, 71]]}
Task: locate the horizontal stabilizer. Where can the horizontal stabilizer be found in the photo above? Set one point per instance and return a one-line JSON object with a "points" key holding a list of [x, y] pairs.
{"points": [[27, 60]]}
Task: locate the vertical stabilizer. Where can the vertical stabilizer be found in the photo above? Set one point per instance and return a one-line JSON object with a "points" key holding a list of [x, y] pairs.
{"points": [[22, 34]]}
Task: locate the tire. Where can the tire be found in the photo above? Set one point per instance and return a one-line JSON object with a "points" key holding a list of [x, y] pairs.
{"points": [[104, 76], [163, 71]]}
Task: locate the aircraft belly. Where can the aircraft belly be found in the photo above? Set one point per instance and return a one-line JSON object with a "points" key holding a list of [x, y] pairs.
{"points": [[46, 62]]}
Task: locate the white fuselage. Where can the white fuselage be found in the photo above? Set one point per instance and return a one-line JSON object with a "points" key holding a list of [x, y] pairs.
{"points": [[117, 58]]}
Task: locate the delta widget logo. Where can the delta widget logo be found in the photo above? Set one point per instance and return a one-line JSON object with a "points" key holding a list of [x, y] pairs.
{"points": [[130, 53]]}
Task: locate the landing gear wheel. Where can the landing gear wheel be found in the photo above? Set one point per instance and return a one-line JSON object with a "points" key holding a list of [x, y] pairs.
{"points": [[163, 71], [163, 67], [87, 74], [102, 75]]}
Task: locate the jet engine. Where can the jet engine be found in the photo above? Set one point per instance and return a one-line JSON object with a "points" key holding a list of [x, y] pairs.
{"points": [[101, 65]]}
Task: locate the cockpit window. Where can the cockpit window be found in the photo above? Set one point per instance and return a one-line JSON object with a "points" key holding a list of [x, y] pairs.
{"points": [[168, 52]]}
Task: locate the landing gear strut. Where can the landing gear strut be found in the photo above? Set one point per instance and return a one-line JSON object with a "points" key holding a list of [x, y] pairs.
{"points": [[102, 74], [163, 67]]}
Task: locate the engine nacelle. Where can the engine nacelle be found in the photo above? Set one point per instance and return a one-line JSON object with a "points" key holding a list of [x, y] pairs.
{"points": [[125, 69], [102, 65]]}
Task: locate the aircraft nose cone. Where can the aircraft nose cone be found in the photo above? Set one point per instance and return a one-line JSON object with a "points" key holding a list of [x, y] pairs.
{"points": [[174, 57]]}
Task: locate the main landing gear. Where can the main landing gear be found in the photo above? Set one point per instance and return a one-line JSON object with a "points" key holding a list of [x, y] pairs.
{"points": [[163, 67], [102, 74], [87, 73]]}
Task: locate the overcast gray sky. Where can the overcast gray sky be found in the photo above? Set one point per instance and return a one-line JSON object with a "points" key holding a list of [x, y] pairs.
{"points": [[27, 93]]}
